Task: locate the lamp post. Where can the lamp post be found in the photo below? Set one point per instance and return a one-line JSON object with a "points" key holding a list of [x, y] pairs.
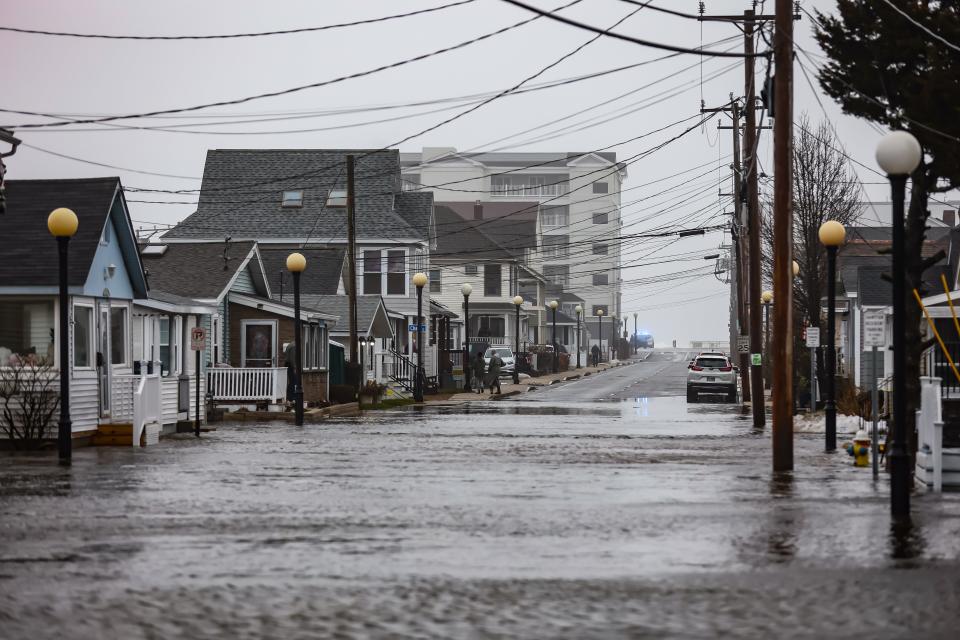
{"points": [[613, 337], [599, 313], [635, 338], [831, 235], [419, 281], [296, 263], [466, 289], [62, 224], [556, 349], [579, 311], [517, 301], [362, 342], [899, 154], [767, 299]]}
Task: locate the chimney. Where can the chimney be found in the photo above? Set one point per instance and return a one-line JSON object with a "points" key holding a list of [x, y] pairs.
{"points": [[949, 217], [477, 210]]}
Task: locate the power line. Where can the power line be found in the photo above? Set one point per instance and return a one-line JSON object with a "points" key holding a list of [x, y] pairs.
{"points": [[921, 26], [273, 94], [226, 36], [646, 43]]}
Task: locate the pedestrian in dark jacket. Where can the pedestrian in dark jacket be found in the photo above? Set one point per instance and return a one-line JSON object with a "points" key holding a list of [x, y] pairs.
{"points": [[595, 352], [479, 368], [493, 372]]}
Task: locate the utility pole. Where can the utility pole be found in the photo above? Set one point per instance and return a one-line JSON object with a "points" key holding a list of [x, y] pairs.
{"points": [[352, 259], [740, 273], [754, 253], [782, 374]]}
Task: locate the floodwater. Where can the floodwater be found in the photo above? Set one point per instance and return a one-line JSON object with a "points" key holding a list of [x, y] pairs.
{"points": [[533, 519]]}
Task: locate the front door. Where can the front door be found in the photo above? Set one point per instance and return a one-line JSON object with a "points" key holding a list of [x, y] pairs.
{"points": [[103, 357], [259, 343]]}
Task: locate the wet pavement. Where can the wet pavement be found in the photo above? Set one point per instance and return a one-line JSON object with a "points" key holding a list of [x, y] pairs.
{"points": [[554, 515]]}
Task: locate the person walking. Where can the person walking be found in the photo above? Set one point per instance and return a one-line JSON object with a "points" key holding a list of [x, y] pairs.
{"points": [[289, 351], [478, 369], [493, 372], [595, 352]]}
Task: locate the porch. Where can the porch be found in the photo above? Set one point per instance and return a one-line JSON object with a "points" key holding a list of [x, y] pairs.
{"points": [[243, 385]]}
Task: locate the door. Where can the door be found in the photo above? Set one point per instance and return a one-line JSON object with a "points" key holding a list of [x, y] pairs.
{"points": [[104, 357], [259, 343]]}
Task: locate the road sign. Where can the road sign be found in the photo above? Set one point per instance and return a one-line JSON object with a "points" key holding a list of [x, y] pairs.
{"points": [[813, 337], [756, 359], [874, 329], [743, 344], [412, 328], [198, 339]]}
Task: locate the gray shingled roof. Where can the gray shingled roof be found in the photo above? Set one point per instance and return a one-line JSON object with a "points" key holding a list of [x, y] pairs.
{"points": [[501, 234], [322, 275], [29, 252], [340, 306], [510, 159], [241, 196], [195, 269], [872, 289]]}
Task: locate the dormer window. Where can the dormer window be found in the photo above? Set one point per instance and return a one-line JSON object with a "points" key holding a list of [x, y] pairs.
{"points": [[337, 198], [292, 199]]}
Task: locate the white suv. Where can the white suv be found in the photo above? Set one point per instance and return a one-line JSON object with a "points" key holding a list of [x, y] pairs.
{"points": [[509, 362], [711, 373]]}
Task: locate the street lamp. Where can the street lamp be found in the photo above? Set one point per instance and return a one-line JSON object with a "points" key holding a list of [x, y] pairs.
{"points": [[62, 224], [362, 342], [767, 299], [599, 313], [419, 281], [832, 235], [899, 154], [556, 349], [296, 263], [796, 269], [635, 337], [579, 312], [517, 301], [466, 289], [613, 336]]}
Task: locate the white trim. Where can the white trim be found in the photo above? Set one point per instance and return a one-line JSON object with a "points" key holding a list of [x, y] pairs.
{"points": [[243, 339], [171, 307], [280, 309], [92, 336]]}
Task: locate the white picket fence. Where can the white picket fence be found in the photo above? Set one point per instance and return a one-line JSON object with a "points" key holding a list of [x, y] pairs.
{"points": [[930, 434], [248, 384], [138, 400]]}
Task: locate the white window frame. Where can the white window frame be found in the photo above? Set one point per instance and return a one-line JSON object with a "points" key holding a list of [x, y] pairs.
{"points": [[384, 273], [436, 283], [91, 338], [291, 203], [243, 340], [127, 328]]}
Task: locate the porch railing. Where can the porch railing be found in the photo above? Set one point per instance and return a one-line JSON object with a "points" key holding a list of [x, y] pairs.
{"points": [[936, 365], [248, 384]]}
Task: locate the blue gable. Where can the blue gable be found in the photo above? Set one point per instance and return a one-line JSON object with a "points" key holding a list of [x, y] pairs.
{"points": [[109, 254]]}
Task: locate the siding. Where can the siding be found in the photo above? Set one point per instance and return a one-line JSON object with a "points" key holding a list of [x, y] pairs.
{"points": [[84, 404], [244, 283]]}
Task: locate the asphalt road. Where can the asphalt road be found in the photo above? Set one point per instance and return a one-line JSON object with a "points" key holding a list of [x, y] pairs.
{"points": [[564, 515]]}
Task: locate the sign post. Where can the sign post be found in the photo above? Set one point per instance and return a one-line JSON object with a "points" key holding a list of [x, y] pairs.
{"points": [[874, 335], [813, 343], [198, 343]]}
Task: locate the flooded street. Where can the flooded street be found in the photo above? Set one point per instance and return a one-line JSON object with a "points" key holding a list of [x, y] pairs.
{"points": [[567, 513]]}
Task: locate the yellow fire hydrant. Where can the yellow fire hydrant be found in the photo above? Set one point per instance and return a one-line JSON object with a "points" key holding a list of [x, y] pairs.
{"points": [[860, 449]]}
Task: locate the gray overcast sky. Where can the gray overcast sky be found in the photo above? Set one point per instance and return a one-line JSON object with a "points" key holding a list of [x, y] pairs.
{"points": [[77, 76]]}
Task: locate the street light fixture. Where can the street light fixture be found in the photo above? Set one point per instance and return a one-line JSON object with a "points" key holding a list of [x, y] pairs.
{"points": [[599, 313], [419, 281], [517, 302], [62, 224], [613, 337], [556, 348], [832, 235], [899, 154], [796, 269], [466, 289], [635, 337], [296, 263], [579, 311]]}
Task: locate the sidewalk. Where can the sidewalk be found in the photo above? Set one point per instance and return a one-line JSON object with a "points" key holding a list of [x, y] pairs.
{"points": [[526, 384]]}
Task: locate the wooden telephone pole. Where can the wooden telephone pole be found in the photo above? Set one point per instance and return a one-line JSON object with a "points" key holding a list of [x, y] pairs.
{"points": [[352, 259]]}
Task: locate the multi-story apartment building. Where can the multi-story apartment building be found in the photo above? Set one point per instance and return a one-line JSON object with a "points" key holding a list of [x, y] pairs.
{"points": [[577, 196]]}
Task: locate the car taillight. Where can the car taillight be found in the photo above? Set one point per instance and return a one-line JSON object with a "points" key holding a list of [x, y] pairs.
{"points": [[696, 368], [726, 368]]}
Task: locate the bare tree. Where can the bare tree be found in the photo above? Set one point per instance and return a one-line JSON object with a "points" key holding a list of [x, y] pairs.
{"points": [[29, 400], [824, 188]]}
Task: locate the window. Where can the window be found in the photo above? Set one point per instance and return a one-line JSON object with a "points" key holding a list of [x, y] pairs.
{"points": [[470, 269], [512, 184], [337, 198], [26, 330], [169, 346], [556, 247], [600, 279], [372, 278], [556, 215], [82, 336], [492, 280], [557, 274], [491, 326], [105, 236], [600, 217], [396, 273], [292, 199], [314, 346], [410, 181], [154, 250], [601, 307], [118, 335], [599, 249], [601, 187], [435, 282]]}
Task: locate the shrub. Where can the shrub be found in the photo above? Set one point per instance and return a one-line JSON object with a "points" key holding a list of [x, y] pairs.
{"points": [[342, 393], [29, 399]]}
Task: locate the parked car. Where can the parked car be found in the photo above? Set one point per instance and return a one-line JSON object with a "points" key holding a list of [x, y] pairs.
{"points": [[711, 374], [506, 354], [644, 340]]}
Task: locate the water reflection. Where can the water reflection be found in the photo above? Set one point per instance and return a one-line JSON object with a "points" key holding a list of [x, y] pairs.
{"points": [[781, 526], [906, 541]]}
